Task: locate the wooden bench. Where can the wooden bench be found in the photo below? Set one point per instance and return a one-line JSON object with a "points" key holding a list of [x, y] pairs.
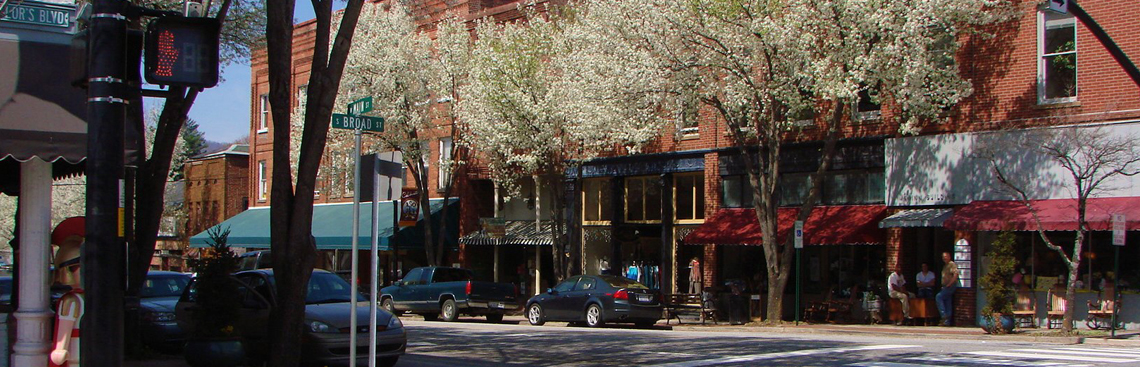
{"points": [[1025, 309], [1102, 309], [920, 309], [688, 304], [1055, 314]]}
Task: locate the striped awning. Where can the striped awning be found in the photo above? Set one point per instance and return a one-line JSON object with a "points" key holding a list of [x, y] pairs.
{"points": [[917, 218], [519, 233]]}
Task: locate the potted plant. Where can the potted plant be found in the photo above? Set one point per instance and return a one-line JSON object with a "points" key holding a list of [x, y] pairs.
{"points": [[214, 339], [997, 315]]}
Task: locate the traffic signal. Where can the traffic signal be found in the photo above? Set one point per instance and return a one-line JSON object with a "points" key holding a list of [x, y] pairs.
{"points": [[182, 51]]}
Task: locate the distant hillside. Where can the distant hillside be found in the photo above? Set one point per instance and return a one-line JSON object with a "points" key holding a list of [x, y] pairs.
{"points": [[214, 146]]}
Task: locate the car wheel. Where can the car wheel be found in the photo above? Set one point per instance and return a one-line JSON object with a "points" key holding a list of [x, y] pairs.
{"points": [[390, 306], [387, 361], [535, 316], [594, 317], [430, 316], [448, 310], [495, 317]]}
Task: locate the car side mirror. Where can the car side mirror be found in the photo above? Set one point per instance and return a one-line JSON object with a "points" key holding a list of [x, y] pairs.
{"points": [[551, 291]]}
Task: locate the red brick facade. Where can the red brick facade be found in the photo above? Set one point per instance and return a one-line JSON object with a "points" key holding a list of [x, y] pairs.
{"points": [[217, 187]]}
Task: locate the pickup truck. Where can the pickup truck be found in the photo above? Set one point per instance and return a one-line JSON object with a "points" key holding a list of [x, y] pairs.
{"points": [[443, 292]]}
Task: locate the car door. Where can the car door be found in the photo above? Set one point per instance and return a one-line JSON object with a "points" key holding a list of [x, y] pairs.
{"points": [[256, 300], [403, 296], [557, 306], [576, 302]]}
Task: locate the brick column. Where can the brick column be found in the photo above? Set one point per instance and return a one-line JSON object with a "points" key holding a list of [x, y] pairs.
{"points": [[708, 270], [895, 251], [712, 184], [965, 300]]}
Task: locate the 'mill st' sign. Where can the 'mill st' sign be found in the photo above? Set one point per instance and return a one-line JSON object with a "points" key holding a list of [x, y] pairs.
{"points": [[353, 121]]}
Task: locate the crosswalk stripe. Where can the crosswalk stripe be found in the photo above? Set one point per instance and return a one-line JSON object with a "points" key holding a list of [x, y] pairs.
{"points": [[1080, 352], [992, 362], [778, 355], [890, 364], [1105, 350], [1052, 356], [422, 344]]}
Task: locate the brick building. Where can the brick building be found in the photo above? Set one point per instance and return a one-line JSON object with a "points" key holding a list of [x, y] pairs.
{"points": [[216, 186], [885, 199]]}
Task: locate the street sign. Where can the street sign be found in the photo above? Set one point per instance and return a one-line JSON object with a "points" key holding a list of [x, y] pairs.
{"points": [[1060, 6], [366, 123], [360, 106], [799, 234], [35, 12], [1118, 229]]}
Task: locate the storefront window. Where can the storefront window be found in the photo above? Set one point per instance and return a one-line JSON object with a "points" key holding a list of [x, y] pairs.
{"points": [[596, 200], [642, 199], [840, 188], [794, 188], [690, 197], [736, 192]]}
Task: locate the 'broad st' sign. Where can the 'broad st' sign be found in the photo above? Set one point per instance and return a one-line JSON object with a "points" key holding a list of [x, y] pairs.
{"points": [[366, 123], [34, 12]]}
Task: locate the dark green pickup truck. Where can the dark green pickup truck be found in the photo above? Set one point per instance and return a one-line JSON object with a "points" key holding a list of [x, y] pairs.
{"points": [[442, 292]]}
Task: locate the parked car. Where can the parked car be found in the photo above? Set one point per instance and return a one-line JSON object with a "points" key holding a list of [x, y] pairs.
{"points": [[157, 299], [7, 286], [326, 332], [596, 300], [254, 260], [436, 292]]}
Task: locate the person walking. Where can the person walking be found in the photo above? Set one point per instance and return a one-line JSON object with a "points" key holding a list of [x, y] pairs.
{"points": [[945, 297], [897, 290]]}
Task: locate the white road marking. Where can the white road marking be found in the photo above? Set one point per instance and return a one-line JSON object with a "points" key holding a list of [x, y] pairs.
{"points": [[677, 354], [1095, 353], [891, 364], [1121, 352], [992, 362], [1038, 355], [779, 355], [422, 344]]}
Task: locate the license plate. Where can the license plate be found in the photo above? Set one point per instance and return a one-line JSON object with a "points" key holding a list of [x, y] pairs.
{"points": [[644, 298], [496, 305]]}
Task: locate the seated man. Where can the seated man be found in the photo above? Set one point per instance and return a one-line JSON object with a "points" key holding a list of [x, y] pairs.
{"points": [[897, 284], [925, 279]]}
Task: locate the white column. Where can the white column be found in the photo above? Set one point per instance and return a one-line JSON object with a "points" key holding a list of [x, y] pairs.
{"points": [[496, 245], [33, 313], [538, 229]]}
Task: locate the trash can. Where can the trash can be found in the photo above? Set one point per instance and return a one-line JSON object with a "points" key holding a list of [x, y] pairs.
{"points": [[737, 309]]}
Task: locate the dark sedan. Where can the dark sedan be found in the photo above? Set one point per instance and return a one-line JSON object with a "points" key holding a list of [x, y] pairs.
{"points": [[157, 299], [596, 300]]}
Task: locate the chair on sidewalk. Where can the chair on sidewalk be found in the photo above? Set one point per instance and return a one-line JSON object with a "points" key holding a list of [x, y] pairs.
{"points": [[1055, 314], [1025, 309], [1102, 309]]}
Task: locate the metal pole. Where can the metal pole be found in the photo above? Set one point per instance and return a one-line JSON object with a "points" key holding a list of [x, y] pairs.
{"points": [[103, 254], [1115, 289], [496, 245], [375, 260], [797, 309], [355, 246]]}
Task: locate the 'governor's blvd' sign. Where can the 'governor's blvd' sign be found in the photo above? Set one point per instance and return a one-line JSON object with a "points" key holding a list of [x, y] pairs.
{"points": [[33, 12]]}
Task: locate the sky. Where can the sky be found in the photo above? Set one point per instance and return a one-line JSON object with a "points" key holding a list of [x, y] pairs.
{"points": [[222, 112]]}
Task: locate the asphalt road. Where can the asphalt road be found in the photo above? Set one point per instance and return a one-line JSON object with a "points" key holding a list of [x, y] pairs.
{"points": [[474, 342]]}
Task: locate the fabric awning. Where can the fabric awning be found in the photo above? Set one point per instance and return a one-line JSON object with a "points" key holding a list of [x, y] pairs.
{"points": [[1055, 214], [917, 218], [519, 232], [827, 225], [332, 227]]}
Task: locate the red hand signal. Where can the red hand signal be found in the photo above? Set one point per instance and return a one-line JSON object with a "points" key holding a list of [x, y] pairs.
{"points": [[167, 54]]}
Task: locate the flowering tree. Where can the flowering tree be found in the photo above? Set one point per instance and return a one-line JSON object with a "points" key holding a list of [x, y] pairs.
{"points": [[762, 66], [542, 94], [412, 79]]}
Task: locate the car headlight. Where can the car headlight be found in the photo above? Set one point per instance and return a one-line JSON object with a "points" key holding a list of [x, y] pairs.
{"points": [[320, 327], [394, 322], [158, 316]]}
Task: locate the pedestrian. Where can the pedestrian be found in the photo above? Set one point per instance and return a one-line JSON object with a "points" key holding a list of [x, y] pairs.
{"points": [[694, 276], [897, 283], [945, 297], [925, 280]]}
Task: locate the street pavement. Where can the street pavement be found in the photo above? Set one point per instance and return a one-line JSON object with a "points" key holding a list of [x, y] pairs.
{"points": [[474, 342]]}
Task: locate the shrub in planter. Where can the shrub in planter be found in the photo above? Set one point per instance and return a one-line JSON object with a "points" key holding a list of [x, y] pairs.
{"points": [[998, 283], [214, 338]]}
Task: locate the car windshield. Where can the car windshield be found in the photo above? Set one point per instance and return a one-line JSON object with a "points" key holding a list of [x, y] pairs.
{"points": [[329, 288], [619, 282], [164, 286]]}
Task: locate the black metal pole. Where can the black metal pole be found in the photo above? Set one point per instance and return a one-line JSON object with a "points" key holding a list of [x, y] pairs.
{"points": [[1116, 290], [1109, 44], [104, 254]]}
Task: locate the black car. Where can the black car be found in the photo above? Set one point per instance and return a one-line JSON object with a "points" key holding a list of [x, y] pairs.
{"points": [[596, 300], [157, 299], [325, 340]]}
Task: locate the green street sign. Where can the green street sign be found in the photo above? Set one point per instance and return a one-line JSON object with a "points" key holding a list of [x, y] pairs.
{"points": [[35, 12], [360, 106], [366, 123]]}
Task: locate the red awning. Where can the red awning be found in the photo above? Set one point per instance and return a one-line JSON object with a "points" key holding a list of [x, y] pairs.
{"points": [[827, 225], [1055, 214]]}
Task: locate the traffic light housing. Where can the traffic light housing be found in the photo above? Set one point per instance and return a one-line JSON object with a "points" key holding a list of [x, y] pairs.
{"points": [[182, 51]]}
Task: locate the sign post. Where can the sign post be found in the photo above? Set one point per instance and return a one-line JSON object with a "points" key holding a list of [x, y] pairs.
{"points": [[1118, 231], [799, 244]]}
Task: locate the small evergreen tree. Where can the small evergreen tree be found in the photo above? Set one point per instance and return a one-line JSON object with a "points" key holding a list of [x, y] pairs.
{"points": [[998, 282]]}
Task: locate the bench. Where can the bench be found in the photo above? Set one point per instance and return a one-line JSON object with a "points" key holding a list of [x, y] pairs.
{"points": [[1102, 309], [920, 309], [688, 304], [1055, 313], [1025, 309]]}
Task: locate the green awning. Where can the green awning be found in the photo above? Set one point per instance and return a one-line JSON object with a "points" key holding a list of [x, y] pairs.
{"points": [[332, 227]]}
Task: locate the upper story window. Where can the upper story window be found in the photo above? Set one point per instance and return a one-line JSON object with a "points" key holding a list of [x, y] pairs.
{"points": [[303, 95], [597, 197], [262, 181], [839, 188], [642, 199], [689, 197], [263, 123], [1057, 61], [445, 146], [736, 192], [869, 107]]}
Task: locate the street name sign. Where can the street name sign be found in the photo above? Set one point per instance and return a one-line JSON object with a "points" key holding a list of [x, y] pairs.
{"points": [[34, 12], [1118, 229], [366, 123], [1060, 6], [360, 106]]}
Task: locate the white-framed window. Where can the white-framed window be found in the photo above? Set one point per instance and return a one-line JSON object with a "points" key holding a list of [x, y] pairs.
{"points": [[444, 178], [263, 123], [303, 95], [1057, 58], [596, 200], [689, 197], [262, 181], [642, 199]]}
